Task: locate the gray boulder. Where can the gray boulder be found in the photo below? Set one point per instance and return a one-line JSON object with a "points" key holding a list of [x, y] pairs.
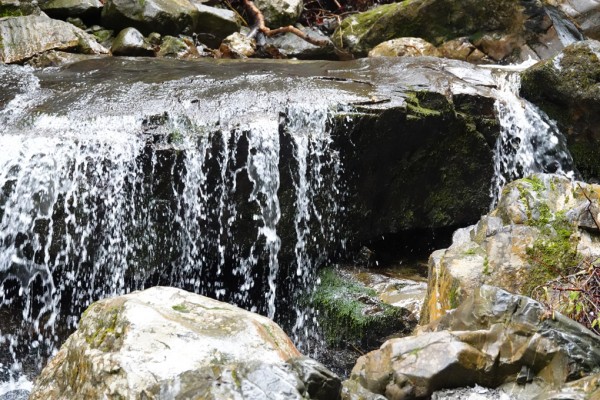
{"points": [[171, 17], [279, 13], [130, 42], [168, 343], [25, 37], [72, 8], [491, 339]]}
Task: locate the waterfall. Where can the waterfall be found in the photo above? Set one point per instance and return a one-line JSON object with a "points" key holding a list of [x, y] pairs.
{"points": [[98, 201], [529, 140]]}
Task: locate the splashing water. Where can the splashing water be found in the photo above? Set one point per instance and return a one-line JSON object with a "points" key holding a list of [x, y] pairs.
{"points": [[529, 140], [94, 206]]}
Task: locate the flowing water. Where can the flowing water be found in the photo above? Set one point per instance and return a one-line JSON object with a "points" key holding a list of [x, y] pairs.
{"points": [[110, 187], [529, 140]]}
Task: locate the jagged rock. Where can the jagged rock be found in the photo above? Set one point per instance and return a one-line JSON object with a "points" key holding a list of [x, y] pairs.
{"points": [[488, 340], [540, 220], [587, 388], [25, 37], [18, 8], [237, 45], [404, 47], [130, 42], [171, 17], [177, 48], [508, 26], [279, 13], [566, 88], [462, 49], [585, 12], [165, 342], [72, 8], [291, 46]]}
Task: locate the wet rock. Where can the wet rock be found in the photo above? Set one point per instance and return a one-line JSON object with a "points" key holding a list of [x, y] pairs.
{"points": [[171, 17], [237, 45], [486, 341], [130, 42], [566, 88], [54, 58], [291, 46], [177, 48], [86, 9], [509, 25], [540, 221], [24, 37], [279, 13], [18, 8], [165, 342], [352, 316], [214, 24], [587, 388], [585, 12], [404, 47], [462, 49], [163, 16]]}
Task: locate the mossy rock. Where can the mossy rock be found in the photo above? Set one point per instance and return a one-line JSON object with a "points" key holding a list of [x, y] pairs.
{"points": [[351, 314], [566, 88], [433, 20]]}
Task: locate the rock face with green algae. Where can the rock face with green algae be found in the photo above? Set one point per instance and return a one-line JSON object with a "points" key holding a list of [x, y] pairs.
{"points": [[488, 340], [167, 343], [566, 88], [541, 225], [438, 21], [24, 37]]}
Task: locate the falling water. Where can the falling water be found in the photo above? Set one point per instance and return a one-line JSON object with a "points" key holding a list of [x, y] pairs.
{"points": [[529, 140], [101, 203]]}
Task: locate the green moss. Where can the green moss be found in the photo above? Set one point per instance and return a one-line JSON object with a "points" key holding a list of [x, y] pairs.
{"points": [[10, 12], [351, 312], [454, 297], [104, 330], [486, 266], [181, 308], [554, 253]]}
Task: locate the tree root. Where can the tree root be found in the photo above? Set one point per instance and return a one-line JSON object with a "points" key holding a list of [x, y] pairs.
{"points": [[259, 23]]}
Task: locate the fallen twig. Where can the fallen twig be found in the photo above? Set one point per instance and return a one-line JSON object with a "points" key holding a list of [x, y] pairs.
{"points": [[259, 22]]}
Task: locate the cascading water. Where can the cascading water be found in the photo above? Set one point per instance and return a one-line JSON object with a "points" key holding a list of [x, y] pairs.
{"points": [[529, 140], [100, 203]]}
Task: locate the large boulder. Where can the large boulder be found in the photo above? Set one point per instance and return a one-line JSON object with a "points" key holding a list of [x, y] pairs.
{"points": [[24, 37], [493, 338], [279, 13], [543, 226], [168, 343], [504, 30], [171, 17], [566, 88], [86, 9], [130, 42]]}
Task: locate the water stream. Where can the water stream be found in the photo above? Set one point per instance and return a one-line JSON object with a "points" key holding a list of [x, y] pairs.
{"points": [[529, 140], [97, 204]]}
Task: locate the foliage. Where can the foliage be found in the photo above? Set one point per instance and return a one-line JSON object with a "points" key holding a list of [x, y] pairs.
{"points": [[578, 293]]}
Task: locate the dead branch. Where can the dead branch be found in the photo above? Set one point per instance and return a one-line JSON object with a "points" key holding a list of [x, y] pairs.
{"points": [[589, 206], [259, 22]]}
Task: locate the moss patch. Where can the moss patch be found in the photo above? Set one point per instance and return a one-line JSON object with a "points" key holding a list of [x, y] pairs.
{"points": [[352, 313]]}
